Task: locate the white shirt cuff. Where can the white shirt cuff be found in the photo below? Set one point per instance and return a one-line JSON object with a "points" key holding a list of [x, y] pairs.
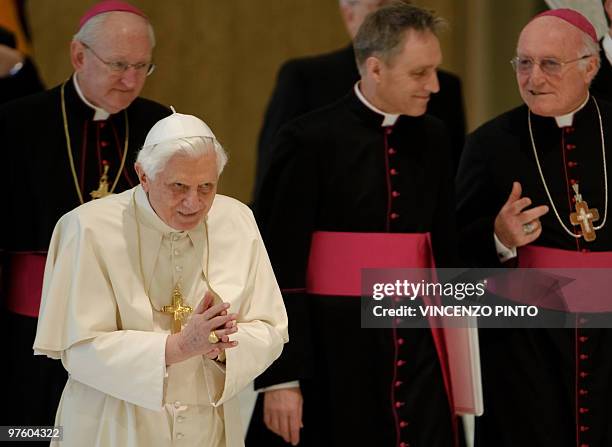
{"points": [[503, 253], [280, 386]]}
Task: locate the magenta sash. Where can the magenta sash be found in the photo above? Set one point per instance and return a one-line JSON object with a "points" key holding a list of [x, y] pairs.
{"points": [[336, 259], [23, 283], [576, 281]]}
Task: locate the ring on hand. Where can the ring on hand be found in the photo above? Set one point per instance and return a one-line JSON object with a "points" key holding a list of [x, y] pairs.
{"points": [[529, 228], [213, 338]]}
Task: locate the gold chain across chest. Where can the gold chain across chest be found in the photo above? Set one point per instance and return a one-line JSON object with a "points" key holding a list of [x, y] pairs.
{"points": [[103, 189]]}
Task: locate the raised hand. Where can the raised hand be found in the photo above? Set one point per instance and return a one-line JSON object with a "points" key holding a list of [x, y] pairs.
{"points": [[515, 226]]}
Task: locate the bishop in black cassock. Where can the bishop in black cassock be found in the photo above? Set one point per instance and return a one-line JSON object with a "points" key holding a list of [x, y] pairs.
{"points": [[351, 168], [542, 387], [37, 187], [309, 83], [335, 179]]}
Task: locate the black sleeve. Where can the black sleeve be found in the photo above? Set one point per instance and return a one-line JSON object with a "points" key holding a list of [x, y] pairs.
{"points": [[444, 231], [285, 210], [477, 202], [457, 126], [288, 101], [447, 105]]}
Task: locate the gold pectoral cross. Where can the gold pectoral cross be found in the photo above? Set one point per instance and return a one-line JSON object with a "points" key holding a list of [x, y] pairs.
{"points": [[584, 216], [178, 311], [102, 190]]}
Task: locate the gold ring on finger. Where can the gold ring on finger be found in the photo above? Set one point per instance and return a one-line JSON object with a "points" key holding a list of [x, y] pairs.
{"points": [[213, 338], [529, 228]]}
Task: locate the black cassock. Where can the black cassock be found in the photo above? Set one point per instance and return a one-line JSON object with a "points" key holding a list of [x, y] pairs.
{"points": [[334, 173], [306, 84], [36, 189], [542, 387]]}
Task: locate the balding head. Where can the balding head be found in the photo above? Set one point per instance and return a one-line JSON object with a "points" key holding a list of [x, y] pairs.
{"points": [[112, 37], [556, 63]]}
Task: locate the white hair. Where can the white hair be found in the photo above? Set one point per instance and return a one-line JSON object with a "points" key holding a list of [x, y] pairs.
{"points": [[153, 158], [589, 48], [93, 29]]}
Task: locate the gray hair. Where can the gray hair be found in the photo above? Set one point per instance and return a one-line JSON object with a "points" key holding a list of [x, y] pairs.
{"points": [[589, 48], [153, 158], [383, 31], [92, 31]]}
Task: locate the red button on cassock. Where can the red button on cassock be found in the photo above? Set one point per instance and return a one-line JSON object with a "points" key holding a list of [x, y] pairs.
{"points": [[400, 341], [392, 151], [401, 363], [395, 194], [583, 410], [394, 216], [399, 404], [393, 171], [583, 356], [403, 424]]}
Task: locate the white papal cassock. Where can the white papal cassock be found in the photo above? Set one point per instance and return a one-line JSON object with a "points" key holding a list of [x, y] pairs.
{"points": [[97, 318]]}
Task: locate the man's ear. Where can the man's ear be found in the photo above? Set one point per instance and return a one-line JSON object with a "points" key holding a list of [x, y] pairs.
{"points": [[77, 55], [144, 180], [591, 69], [373, 68]]}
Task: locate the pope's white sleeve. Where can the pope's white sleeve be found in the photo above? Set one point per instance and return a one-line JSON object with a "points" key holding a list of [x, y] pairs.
{"points": [[128, 365], [262, 325]]}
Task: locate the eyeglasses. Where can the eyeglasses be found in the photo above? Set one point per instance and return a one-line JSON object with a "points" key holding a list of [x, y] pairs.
{"points": [[122, 67], [550, 66]]}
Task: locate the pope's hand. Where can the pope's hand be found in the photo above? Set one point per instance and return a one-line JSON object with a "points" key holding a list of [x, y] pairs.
{"points": [[515, 226], [193, 339], [283, 413]]}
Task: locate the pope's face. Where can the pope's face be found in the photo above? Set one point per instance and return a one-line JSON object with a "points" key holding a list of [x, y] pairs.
{"points": [[405, 84], [183, 191], [125, 38], [553, 94]]}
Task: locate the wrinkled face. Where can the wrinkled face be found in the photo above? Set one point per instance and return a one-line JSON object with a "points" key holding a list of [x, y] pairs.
{"points": [[553, 94], [405, 84], [183, 191], [125, 38]]}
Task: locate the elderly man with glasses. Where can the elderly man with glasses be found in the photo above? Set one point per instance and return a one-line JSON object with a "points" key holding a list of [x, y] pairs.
{"points": [[522, 179], [60, 148]]}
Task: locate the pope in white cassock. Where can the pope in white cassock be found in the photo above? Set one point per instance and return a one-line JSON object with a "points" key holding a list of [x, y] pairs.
{"points": [[160, 302]]}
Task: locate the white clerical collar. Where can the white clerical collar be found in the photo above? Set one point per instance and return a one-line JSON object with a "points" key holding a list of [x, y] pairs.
{"points": [[390, 118], [100, 114], [568, 119], [607, 46]]}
